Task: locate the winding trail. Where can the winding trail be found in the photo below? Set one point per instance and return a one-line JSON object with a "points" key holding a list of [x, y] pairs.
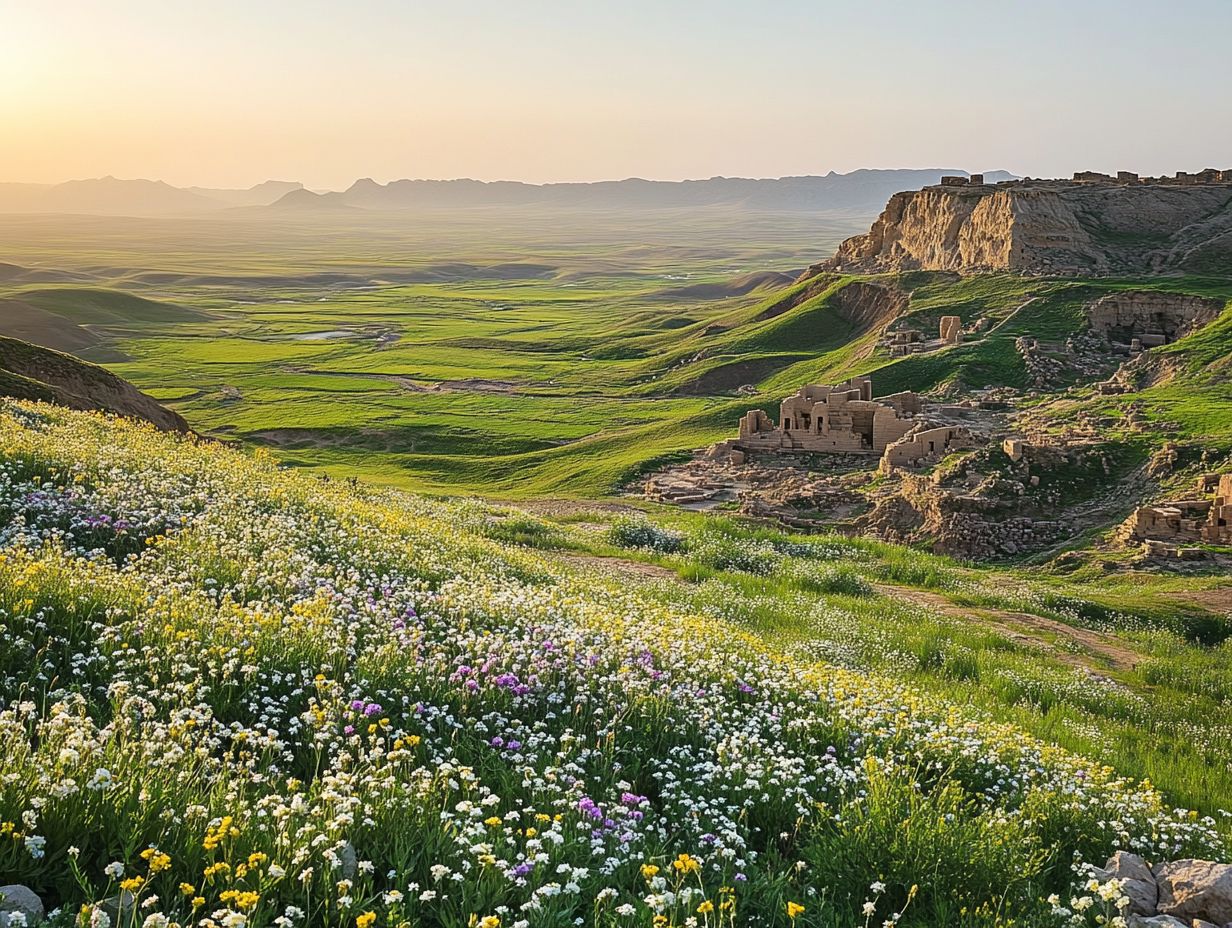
{"points": [[1115, 653]]}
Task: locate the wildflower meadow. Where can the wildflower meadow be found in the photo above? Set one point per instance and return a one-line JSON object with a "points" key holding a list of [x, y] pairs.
{"points": [[235, 694]]}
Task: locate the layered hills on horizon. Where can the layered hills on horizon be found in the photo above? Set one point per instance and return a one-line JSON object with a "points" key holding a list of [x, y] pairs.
{"points": [[861, 191], [113, 196], [864, 190]]}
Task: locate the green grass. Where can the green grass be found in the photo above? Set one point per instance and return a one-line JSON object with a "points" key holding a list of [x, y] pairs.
{"points": [[1166, 718], [569, 383], [91, 306]]}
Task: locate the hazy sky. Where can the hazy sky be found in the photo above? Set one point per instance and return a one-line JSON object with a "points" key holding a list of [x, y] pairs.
{"points": [[231, 92]]}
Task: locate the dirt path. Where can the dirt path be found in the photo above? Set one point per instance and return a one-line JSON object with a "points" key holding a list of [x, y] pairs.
{"points": [[1024, 626], [1216, 600], [619, 565]]}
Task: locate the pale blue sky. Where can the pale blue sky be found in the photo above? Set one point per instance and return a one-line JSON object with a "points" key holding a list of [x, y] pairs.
{"points": [[231, 92]]}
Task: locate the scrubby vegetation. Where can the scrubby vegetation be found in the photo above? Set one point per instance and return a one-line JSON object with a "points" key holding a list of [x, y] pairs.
{"points": [[242, 695]]}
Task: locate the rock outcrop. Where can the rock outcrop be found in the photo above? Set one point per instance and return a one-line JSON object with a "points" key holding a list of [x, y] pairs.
{"points": [[1151, 316], [1046, 227], [1191, 889], [1137, 882], [1169, 893]]}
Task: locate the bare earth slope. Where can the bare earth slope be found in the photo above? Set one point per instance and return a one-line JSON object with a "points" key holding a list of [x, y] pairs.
{"points": [[1047, 227], [30, 372]]}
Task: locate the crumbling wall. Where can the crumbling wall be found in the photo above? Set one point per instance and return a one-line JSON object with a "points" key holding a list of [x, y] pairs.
{"points": [[1187, 521], [1218, 527], [1142, 314], [917, 446]]}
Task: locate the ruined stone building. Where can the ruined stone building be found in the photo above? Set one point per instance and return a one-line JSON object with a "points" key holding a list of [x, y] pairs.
{"points": [[840, 418], [923, 442], [846, 419], [1202, 520], [1148, 318]]}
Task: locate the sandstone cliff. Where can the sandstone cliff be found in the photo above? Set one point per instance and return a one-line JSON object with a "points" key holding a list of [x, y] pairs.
{"points": [[1048, 228]]}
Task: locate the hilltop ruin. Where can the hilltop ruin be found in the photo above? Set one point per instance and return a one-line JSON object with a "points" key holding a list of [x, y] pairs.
{"points": [[1092, 225]]}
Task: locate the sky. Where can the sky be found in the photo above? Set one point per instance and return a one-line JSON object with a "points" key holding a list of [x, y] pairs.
{"points": [[232, 92]]}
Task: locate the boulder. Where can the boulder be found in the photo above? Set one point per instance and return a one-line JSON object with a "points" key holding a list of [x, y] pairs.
{"points": [[1190, 889], [350, 862], [16, 898], [1137, 881], [1154, 921]]}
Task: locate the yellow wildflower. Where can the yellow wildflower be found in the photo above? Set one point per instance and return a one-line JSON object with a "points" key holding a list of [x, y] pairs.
{"points": [[686, 863]]}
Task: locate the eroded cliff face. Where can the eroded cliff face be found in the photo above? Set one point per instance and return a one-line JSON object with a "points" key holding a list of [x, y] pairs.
{"points": [[1047, 228]]}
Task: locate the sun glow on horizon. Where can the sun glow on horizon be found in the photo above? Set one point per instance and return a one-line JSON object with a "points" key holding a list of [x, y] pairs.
{"points": [[231, 94]]}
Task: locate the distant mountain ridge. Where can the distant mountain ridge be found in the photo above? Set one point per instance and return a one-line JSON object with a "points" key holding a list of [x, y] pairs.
{"points": [[262, 194], [113, 196], [865, 190]]}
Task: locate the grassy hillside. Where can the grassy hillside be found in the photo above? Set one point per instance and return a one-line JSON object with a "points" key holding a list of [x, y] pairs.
{"points": [[229, 688], [452, 355]]}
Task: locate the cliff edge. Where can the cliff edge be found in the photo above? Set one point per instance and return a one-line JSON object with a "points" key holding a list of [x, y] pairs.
{"points": [[1051, 227]]}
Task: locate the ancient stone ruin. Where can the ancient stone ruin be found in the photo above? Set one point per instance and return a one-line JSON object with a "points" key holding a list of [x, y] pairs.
{"points": [[1164, 527], [951, 330], [1149, 318], [845, 419], [905, 341]]}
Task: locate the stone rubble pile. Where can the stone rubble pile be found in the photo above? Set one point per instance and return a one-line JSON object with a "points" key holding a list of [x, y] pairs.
{"points": [[1172, 894]]}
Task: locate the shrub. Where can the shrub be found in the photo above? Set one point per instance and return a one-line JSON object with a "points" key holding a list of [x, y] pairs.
{"points": [[720, 551], [633, 532]]}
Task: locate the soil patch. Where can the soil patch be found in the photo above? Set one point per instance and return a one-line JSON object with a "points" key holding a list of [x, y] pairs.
{"points": [[618, 565]]}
